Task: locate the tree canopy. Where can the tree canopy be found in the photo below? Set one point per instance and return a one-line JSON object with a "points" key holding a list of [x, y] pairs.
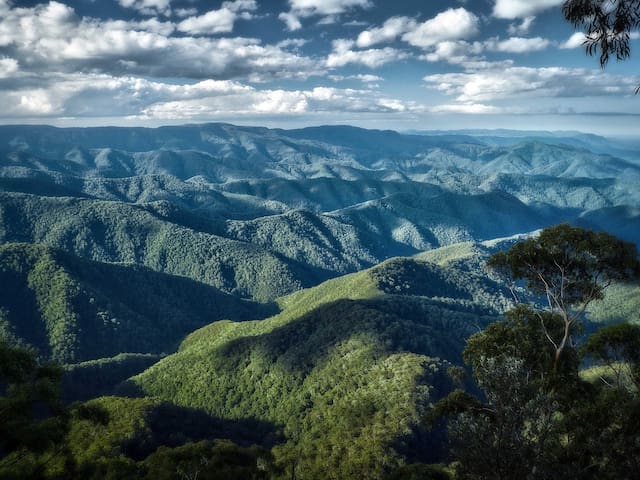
{"points": [[569, 267], [534, 422]]}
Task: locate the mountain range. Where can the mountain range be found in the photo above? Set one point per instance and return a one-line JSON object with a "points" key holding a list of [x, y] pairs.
{"points": [[308, 290]]}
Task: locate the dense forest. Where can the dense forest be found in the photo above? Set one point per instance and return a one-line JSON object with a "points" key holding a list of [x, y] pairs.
{"points": [[342, 304]]}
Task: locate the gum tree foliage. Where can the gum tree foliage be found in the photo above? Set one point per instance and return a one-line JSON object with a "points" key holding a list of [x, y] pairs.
{"points": [[607, 25], [569, 267], [508, 431], [525, 426], [536, 423]]}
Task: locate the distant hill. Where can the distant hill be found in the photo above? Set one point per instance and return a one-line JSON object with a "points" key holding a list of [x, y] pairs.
{"points": [[72, 309], [121, 232], [223, 153]]}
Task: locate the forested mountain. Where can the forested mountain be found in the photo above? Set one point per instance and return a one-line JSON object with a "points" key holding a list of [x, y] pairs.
{"points": [[303, 290], [259, 213], [72, 309], [345, 369]]}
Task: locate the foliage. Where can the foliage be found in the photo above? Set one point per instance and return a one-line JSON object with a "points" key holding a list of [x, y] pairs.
{"points": [[344, 380], [120, 438], [96, 378], [32, 420], [537, 422], [621, 303], [120, 232], [217, 460], [618, 348], [570, 267], [608, 25], [72, 309]]}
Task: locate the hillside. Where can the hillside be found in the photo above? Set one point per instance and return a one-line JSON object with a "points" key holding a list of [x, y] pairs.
{"points": [[260, 213], [72, 309], [346, 369], [120, 232]]}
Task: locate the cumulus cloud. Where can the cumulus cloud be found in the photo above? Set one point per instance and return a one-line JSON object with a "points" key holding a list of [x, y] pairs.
{"points": [[389, 31], [512, 9], [470, 56], [148, 7], [217, 21], [523, 27], [328, 9], [458, 52], [343, 54], [51, 37], [574, 41], [364, 78], [291, 21], [8, 67], [452, 24], [276, 102], [101, 95], [518, 44], [527, 82]]}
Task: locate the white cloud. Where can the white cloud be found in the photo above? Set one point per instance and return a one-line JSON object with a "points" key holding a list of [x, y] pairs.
{"points": [[148, 7], [291, 21], [328, 9], [369, 78], [452, 24], [343, 54], [574, 41], [523, 27], [100, 95], [518, 44], [364, 78], [527, 82], [185, 12], [217, 21], [292, 42], [8, 67], [465, 108], [51, 37], [36, 102], [454, 52], [390, 30], [512, 9], [276, 102]]}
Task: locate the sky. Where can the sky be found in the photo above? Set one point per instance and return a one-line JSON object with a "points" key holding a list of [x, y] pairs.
{"points": [[388, 64]]}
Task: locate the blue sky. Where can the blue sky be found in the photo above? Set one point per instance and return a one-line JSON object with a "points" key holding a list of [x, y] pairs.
{"points": [[400, 64]]}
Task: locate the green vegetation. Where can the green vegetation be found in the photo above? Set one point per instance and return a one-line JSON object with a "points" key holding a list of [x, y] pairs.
{"points": [[570, 267], [33, 423], [119, 232], [72, 309], [97, 378], [620, 303], [538, 417], [345, 371]]}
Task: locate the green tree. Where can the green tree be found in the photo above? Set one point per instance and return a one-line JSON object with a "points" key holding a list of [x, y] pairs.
{"points": [[569, 267], [32, 419], [534, 422], [617, 348], [508, 431]]}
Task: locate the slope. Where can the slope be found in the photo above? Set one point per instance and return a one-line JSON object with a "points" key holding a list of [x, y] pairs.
{"points": [[120, 232], [345, 370], [71, 309]]}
